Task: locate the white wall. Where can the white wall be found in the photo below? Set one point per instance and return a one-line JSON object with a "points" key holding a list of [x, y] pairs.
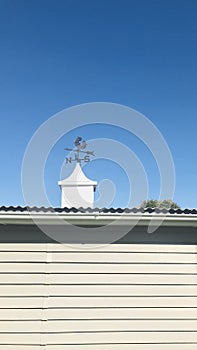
{"points": [[77, 196], [122, 296]]}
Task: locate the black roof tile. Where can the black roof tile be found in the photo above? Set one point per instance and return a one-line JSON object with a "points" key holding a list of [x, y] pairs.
{"points": [[97, 210]]}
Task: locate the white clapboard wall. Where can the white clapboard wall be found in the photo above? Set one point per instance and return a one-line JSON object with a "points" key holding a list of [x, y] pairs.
{"points": [[113, 297]]}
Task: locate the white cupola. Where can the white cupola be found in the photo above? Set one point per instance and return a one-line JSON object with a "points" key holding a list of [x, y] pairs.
{"points": [[77, 190]]}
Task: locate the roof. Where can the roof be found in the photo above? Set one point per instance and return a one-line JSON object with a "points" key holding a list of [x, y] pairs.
{"points": [[98, 216], [42, 209], [106, 225]]}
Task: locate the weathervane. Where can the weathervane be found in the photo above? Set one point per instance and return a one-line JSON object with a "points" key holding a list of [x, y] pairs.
{"points": [[80, 147]]}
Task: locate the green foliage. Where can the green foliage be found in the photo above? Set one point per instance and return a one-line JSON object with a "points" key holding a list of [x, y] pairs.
{"points": [[153, 203], [150, 203]]}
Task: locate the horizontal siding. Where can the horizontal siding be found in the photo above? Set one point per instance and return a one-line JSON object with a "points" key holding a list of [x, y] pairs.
{"points": [[108, 297], [168, 346], [35, 267], [100, 338], [62, 326], [119, 346], [107, 278], [98, 290], [112, 302], [99, 313], [50, 247], [100, 257]]}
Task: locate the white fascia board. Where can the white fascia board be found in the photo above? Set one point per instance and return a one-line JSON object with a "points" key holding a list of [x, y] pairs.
{"points": [[126, 219]]}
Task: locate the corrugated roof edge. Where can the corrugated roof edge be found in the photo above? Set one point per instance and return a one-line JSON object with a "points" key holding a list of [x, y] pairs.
{"points": [[97, 210]]}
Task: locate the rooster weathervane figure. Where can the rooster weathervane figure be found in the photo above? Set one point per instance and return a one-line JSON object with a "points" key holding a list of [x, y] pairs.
{"points": [[80, 147]]}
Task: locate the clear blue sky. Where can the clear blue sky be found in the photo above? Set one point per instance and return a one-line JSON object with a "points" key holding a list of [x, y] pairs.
{"points": [[60, 53]]}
